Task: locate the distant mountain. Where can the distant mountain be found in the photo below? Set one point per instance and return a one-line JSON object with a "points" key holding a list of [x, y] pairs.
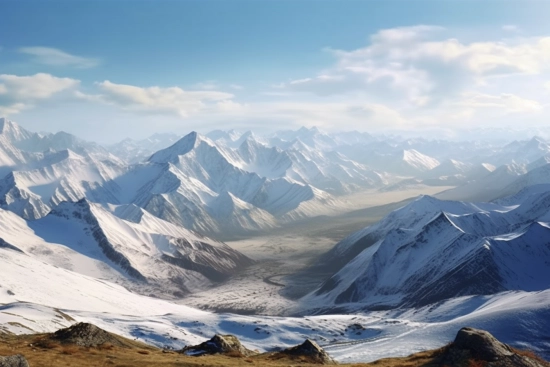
{"points": [[238, 182], [58, 176], [448, 173], [134, 151], [431, 250], [487, 187], [312, 137], [460, 170], [328, 171], [405, 162], [534, 177], [36, 143], [523, 152], [195, 182]]}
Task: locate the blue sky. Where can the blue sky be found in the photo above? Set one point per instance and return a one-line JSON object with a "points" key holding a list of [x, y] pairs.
{"points": [[110, 69]]}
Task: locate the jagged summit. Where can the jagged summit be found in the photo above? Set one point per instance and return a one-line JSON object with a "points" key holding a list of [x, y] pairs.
{"points": [[183, 146], [308, 130], [7, 126], [4, 124], [13, 132], [224, 136], [250, 143], [419, 161]]}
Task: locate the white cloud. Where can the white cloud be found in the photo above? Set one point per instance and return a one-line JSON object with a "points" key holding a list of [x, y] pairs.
{"points": [[428, 78], [38, 86], [417, 66], [56, 57], [21, 92], [172, 100], [11, 109], [503, 102], [405, 78]]}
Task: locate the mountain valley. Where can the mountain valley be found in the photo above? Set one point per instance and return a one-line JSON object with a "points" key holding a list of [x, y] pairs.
{"points": [[277, 238]]}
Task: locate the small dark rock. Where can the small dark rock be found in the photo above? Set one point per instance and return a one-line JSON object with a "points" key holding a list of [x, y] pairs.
{"points": [[356, 327], [219, 344]]}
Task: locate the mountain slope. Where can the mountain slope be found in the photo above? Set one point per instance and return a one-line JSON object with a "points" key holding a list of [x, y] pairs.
{"points": [[147, 255], [433, 250]]}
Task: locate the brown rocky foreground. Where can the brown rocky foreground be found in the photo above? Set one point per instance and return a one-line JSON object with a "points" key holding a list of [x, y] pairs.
{"points": [[87, 345]]}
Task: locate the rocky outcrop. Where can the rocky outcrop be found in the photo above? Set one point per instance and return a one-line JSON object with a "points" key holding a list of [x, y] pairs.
{"points": [[14, 361], [479, 346], [311, 352], [4, 244], [219, 344], [86, 335]]}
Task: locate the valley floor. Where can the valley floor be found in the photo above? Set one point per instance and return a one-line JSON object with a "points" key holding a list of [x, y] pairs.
{"points": [[281, 275]]}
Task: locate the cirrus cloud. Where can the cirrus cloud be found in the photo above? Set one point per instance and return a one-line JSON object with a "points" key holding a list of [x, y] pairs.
{"points": [[55, 57]]}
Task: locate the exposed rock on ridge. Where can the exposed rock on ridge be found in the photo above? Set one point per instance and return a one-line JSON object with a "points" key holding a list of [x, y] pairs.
{"points": [[219, 344]]}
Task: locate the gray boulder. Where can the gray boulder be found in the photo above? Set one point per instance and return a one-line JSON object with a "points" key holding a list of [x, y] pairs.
{"points": [[311, 351], [86, 335], [479, 345], [14, 361]]}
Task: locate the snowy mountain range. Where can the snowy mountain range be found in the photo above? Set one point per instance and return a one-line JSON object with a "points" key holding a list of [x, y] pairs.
{"points": [[230, 182], [431, 250], [83, 228], [233, 183]]}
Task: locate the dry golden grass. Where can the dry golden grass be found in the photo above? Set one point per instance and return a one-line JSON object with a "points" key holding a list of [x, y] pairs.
{"points": [[530, 354], [41, 351], [422, 359]]}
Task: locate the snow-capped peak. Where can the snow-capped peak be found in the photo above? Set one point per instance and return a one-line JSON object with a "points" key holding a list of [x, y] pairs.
{"points": [[418, 160], [181, 147], [13, 132]]}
